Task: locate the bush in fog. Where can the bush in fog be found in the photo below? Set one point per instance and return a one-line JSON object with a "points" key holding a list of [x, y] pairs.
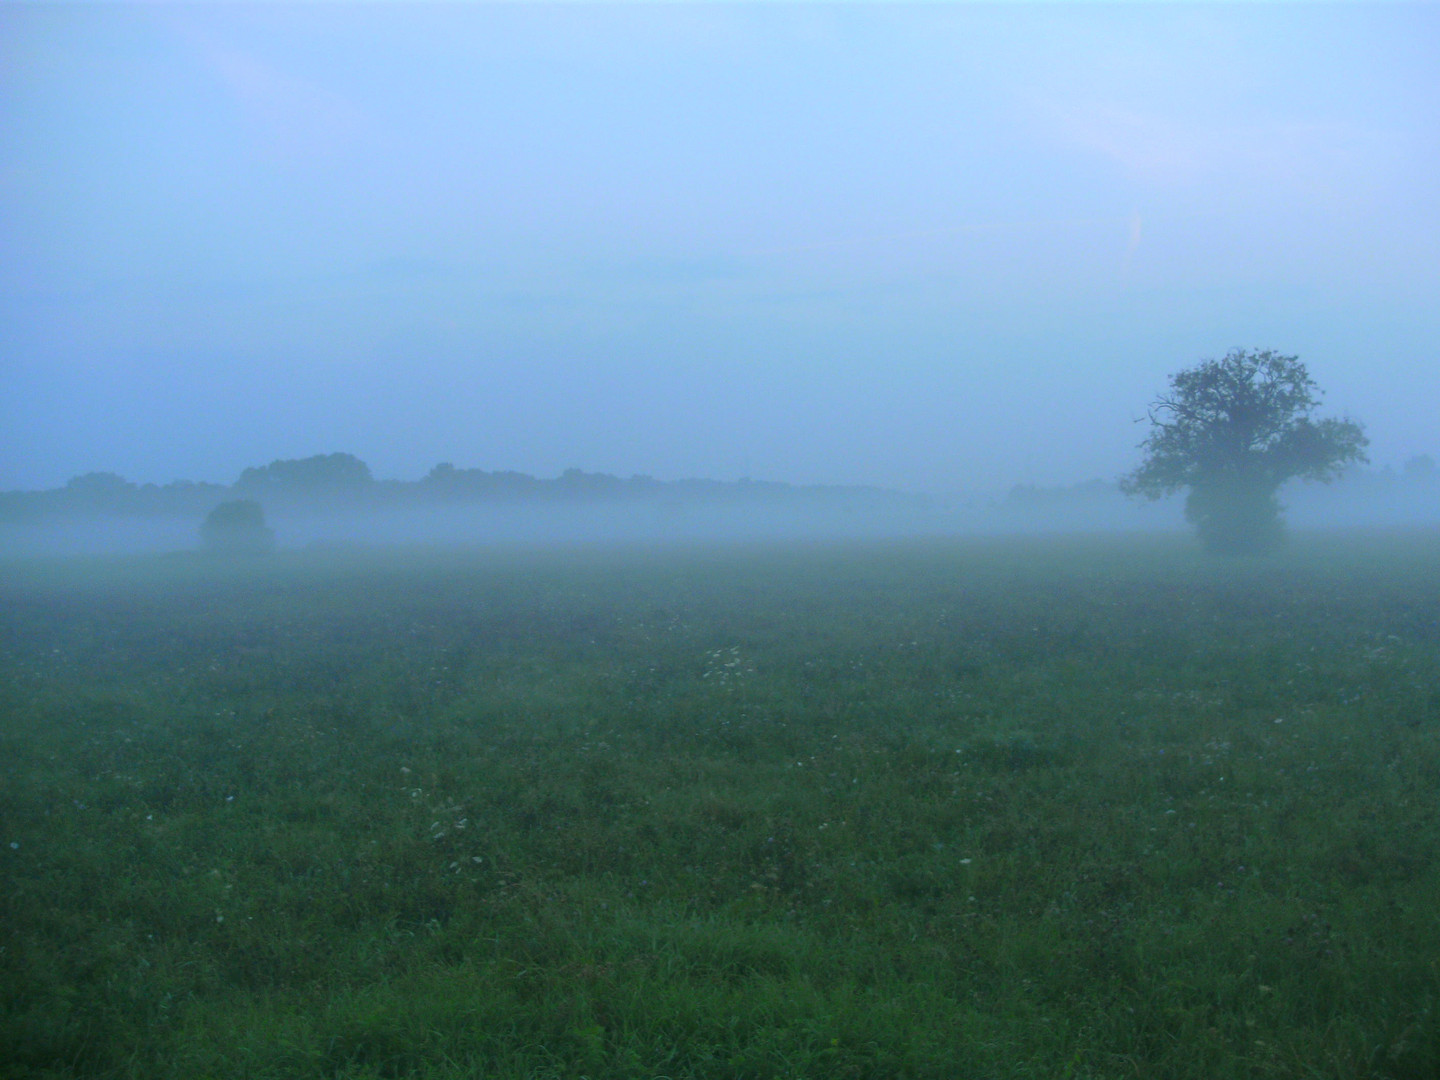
{"points": [[1232, 431], [237, 527], [1421, 469]]}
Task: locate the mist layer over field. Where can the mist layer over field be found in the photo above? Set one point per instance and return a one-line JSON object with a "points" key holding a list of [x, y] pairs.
{"points": [[1364, 500]]}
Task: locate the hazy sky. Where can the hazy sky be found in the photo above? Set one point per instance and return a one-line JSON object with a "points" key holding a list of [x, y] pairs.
{"points": [[936, 247]]}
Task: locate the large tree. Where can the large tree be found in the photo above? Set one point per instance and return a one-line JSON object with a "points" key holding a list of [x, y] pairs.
{"points": [[1232, 431]]}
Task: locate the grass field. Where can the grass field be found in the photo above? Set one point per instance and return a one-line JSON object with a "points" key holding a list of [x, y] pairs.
{"points": [[987, 809]]}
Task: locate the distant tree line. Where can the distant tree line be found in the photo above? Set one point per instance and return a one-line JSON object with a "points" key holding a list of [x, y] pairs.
{"points": [[323, 472], [331, 481]]}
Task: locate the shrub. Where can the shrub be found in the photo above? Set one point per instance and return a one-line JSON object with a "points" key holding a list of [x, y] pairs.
{"points": [[237, 528]]}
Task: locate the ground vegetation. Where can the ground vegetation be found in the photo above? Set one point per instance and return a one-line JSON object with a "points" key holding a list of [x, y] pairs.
{"points": [[930, 810]]}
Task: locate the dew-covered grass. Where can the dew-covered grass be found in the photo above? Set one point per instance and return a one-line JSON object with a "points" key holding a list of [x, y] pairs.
{"points": [[1042, 808]]}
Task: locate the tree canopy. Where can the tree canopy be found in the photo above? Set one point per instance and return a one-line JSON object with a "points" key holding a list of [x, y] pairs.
{"points": [[309, 474], [1232, 431]]}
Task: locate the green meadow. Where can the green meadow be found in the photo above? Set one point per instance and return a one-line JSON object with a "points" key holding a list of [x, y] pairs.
{"points": [[941, 809]]}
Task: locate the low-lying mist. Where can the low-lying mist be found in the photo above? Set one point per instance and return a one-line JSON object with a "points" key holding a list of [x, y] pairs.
{"points": [[1358, 502]]}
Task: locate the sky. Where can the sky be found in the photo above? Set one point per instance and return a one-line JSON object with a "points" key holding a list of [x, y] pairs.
{"points": [[935, 247]]}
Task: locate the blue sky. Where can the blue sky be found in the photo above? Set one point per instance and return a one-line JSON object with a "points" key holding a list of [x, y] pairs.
{"points": [[938, 247]]}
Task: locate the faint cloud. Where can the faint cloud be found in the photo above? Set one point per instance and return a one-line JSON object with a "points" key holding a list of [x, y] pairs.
{"points": [[1132, 242], [398, 268], [1016, 227], [1320, 159], [291, 118], [664, 270], [1144, 145]]}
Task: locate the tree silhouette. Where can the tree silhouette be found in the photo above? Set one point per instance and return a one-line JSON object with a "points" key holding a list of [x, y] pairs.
{"points": [[1232, 431], [317, 473]]}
